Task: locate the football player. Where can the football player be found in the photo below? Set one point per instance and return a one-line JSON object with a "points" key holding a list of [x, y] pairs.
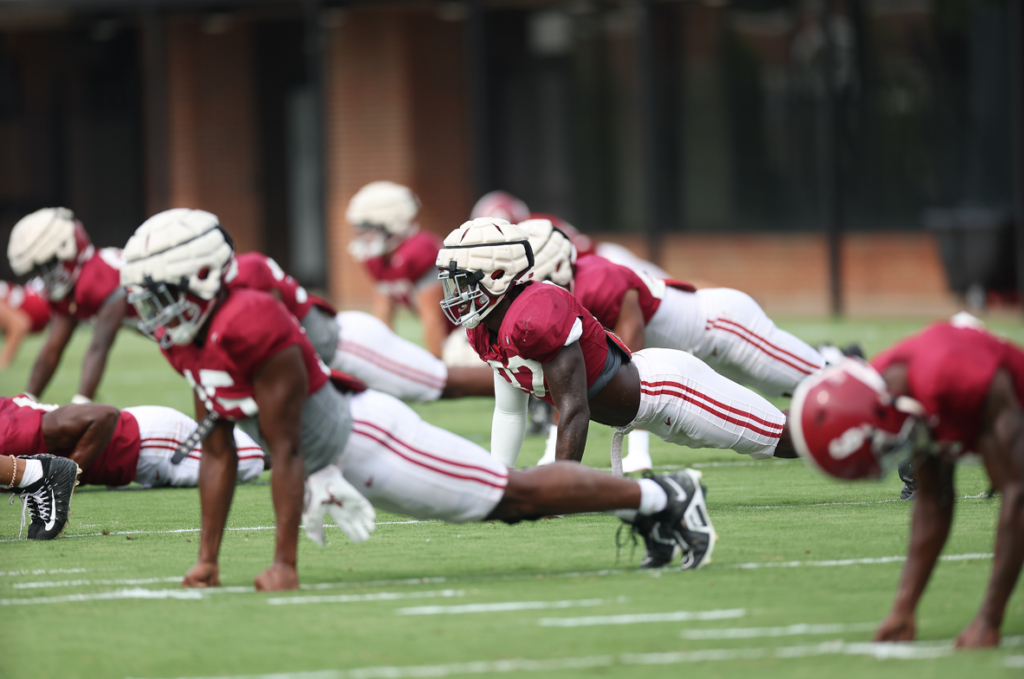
{"points": [[359, 344], [115, 448], [250, 363], [82, 284], [399, 257], [23, 310], [725, 328], [933, 398]]}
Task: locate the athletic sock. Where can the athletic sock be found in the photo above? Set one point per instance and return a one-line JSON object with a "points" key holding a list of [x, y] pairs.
{"points": [[652, 497], [33, 472]]}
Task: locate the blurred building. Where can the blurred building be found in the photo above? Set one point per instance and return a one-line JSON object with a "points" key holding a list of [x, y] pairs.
{"points": [[724, 139]]}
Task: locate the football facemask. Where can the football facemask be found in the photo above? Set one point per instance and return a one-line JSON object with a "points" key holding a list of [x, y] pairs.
{"points": [[167, 314], [465, 301], [58, 277]]}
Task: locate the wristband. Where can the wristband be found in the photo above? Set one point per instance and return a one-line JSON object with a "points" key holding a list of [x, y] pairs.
{"points": [[78, 399]]}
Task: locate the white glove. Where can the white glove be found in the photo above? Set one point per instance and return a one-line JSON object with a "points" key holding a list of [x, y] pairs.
{"points": [[327, 492]]}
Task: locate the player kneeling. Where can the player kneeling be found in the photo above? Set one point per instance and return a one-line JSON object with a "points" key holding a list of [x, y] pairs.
{"points": [[932, 398], [250, 363]]}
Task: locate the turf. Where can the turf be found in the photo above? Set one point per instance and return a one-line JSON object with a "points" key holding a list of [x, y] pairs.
{"points": [[783, 529]]}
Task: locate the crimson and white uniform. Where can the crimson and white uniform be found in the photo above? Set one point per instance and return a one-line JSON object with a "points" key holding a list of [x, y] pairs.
{"points": [[950, 372], [381, 445], [140, 449], [29, 301], [259, 272], [725, 328], [682, 400], [402, 272], [99, 278]]}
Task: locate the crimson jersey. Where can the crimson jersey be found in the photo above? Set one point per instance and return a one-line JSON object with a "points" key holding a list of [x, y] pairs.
{"points": [[247, 330], [259, 272], [29, 301], [950, 371], [535, 328], [400, 272], [601, 286], [21, 433], [98, 279]]}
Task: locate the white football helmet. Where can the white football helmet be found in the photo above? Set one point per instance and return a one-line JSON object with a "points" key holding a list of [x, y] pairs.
{"points": [[554, 254], [502, 205], [52, 244], [479, 263], [384, 214], [175, 266]]}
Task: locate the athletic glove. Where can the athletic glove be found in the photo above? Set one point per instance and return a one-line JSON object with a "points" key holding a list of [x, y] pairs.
{"points": [[327, 492]]}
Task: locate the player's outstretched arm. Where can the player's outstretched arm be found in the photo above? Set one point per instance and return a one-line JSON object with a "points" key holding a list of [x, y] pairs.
{"points": [[508, 425], [61, 329], [280, 388], [218, 469], [1001, 446], [929, 528], [108, 321], [84, 429], [630, 325], [566, 375], [16, 325]]}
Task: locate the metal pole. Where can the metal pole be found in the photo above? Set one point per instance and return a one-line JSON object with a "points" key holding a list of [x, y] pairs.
{"points": [[830, 174], [649, 130], [1015, 21], [476, 81], [157, 158]]}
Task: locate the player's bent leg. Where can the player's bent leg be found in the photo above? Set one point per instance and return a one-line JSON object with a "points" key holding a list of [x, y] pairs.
{"points": [[368, 349], [402, 464], [684, 401], [742, 343], [563, 488], [475, 381]]}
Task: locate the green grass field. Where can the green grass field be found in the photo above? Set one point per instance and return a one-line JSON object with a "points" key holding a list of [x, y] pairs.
{"points": [[801, 574]]}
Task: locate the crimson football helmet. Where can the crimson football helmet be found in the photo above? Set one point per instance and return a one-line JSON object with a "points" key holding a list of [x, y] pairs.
{"points": [[845, 422], [52, 244], [501, 205]]}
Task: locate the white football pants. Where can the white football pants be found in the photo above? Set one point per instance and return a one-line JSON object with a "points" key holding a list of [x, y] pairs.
{"points": [[730, 332], [684, 401], [162, 430], [402, 464], [369, 350]]}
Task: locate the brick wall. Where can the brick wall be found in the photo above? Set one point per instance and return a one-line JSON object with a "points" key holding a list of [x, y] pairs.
{"points": [[212, 127], [395, 109]]}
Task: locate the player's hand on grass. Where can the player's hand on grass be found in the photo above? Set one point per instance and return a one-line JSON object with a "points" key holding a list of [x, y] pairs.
{"points": [[897, 627], [280, 576], [979, 634], [203, 574], [327, 492]]}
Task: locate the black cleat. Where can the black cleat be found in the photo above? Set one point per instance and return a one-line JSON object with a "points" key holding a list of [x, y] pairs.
{"points": [[683, 527], [48, 500], [909, 490]]}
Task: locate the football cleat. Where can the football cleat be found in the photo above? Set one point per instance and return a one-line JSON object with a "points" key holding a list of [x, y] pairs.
{"points": [[48, 500], [683, 527], [909, 490]]}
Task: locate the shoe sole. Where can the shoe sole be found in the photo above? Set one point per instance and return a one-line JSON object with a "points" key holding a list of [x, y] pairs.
{"points": [[699, 495]]}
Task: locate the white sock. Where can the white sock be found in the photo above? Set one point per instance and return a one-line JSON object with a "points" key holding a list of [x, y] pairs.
{"points": [[33, 472], [639, 442], [551, 443], [652, 497]]}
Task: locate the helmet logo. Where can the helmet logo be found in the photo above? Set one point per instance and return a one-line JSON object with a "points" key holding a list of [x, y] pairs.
{"points": [[849, 443]]}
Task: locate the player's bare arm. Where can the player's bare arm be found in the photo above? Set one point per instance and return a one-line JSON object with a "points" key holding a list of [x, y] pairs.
{"points": [[280, 389], [630, 325], [108, 322], [1001, 446], [566, 376], [217, 474], [61, 329], [435, 329], [16, 324], [84, 429]]}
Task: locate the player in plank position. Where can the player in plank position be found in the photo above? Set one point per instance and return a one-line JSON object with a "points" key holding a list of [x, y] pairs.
{"points": [[115, 447], [82, 283], [400, 259], [250, 363], [359, 344], [23, 310], [724, 328], [933, 397]]}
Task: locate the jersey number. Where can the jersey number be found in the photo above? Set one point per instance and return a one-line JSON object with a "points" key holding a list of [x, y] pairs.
{"points": [[516, 364], [206, 387]]}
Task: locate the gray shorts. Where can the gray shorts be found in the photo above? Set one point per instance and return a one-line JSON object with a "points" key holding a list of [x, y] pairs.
{"points": [[322, 331], [326, 426]]}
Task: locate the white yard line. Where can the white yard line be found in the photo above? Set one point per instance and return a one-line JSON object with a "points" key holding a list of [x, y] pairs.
{"points": [[1014, 661], [500, 607], [134, 593], [789, 630], [357, 598], [837, 647], [94, 583], [640, 618], [847, 562], [42, 571]]}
